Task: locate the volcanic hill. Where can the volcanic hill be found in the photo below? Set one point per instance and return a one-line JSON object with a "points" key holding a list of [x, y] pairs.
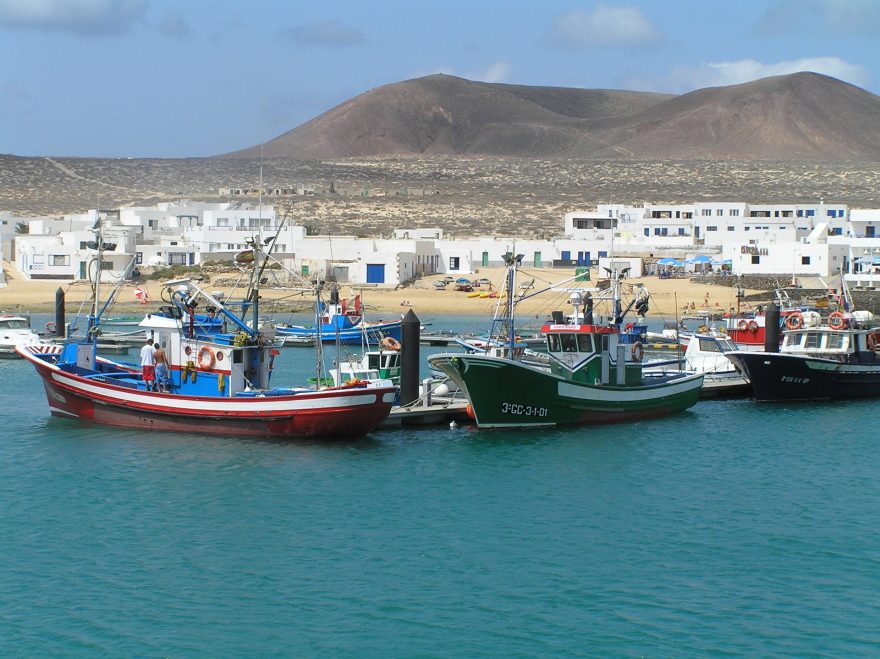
{"points": [[801, 116]]}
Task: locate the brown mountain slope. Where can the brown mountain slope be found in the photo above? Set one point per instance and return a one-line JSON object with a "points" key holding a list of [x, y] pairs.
{"points": [[441, 114], [802, 116]]}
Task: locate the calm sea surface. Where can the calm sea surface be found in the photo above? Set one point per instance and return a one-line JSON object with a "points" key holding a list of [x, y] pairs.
{"points": [[732, 529]]}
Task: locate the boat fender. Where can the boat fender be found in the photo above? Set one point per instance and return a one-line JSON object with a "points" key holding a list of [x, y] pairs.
{"points": [[206, 358], [837, 320], [753, 327], [190, 369], [221, 383], [637, 351], [795, 321], [390, 343]]}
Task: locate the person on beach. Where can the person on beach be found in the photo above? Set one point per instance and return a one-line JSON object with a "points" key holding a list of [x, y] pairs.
{"points": [[148, 364], [161, 360]]}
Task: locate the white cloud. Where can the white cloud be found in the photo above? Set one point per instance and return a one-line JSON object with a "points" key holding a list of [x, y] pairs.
{"points": [[88, 17], [840, 17], [497, 72], [331, 33], [604, 26], [173, 24], [718, 74]]}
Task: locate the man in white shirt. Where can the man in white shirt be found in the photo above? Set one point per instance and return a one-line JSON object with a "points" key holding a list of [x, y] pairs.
{"points": [[148, 364]]}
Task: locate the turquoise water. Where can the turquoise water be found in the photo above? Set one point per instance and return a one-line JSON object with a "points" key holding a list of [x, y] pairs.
{"points": [[735, 528]]}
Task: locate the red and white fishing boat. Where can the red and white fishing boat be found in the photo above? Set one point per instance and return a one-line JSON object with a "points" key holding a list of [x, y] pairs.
{"points": [[219, 380]]}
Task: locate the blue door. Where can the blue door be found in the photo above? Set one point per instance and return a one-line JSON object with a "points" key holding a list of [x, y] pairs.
{"points": [[375, 273], [583, 258], [566, 255]]}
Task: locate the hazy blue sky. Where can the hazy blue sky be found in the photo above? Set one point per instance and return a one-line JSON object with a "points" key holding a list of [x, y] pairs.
{"points": [[168, 78]]}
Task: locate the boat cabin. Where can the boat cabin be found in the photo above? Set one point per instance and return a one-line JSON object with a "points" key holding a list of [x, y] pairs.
{"points": [[594, 354], [705, 353], [829, 341], [374, 366], [13, 323]]}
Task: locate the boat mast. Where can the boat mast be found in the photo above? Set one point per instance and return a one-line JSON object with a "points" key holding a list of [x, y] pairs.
{"points": [[512, 261]]}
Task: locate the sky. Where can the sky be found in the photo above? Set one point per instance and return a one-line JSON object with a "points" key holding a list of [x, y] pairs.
{"points": [[175, 79]]}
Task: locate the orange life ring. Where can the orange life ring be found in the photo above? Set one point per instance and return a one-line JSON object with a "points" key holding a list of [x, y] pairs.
{"points": [[795, 321], [205, 358], [742, 325], [872, 341], [638, 351], [837, 320], [390, 343]]}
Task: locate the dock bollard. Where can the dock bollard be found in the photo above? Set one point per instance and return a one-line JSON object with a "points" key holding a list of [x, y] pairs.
{"points": [[771, 328], [60, 327], [410, 332], [426, 392]]}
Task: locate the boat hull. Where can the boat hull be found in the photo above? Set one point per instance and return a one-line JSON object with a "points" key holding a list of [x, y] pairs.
{"points": [[506, 393], [349, 412], [783, 377]]}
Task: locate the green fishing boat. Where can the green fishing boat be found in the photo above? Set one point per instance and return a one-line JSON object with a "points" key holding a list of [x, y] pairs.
{"points": [[594, 373]]}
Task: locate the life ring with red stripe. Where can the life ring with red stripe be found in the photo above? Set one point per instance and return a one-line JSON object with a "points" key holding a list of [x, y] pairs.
{"points": [[638, 351], [872, 340], [742, 325], [837, 320], [390, 343], [205, 358], [795, 321], [753, 326]]}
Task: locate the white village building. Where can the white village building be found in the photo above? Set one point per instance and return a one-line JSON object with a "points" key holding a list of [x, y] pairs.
{"points": [[780, 239]]}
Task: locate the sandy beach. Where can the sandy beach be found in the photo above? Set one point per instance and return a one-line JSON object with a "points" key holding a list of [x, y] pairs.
{"points": [[667, 295]]}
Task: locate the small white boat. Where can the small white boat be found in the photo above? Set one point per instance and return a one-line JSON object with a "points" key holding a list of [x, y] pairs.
{"points": [[16, 331], [707, 354]]}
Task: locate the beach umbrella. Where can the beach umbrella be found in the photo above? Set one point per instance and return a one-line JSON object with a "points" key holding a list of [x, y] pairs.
{"points": [[700, 258], [670, 261]]}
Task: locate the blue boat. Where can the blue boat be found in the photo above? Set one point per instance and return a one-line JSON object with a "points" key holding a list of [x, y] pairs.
{"points": [[337, 320]]}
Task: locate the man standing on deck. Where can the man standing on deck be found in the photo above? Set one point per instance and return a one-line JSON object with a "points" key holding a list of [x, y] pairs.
{"points": [[148, 364], [161, 360]]}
